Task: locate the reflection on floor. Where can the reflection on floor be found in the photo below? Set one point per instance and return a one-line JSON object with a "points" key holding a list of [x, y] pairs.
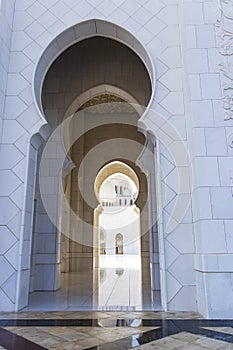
{"points": [[113, 330], [118, 287]]}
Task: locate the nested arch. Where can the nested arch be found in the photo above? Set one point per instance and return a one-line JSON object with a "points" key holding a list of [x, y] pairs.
{"points": [[88, 65], [119, 244], [77, 33], [67, 76], [113, 168], [101, 90]]}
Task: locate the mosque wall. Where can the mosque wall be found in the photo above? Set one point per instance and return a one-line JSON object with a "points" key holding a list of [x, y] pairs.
{"points": [[190, 116]]}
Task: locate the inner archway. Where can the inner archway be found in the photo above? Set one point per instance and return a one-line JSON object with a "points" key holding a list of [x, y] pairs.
{"points": [[76, 71], [119, 244], [117, 188]]}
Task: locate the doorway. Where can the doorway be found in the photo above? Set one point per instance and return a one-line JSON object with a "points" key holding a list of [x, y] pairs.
{"points": [[73, 256], [121, 264]]}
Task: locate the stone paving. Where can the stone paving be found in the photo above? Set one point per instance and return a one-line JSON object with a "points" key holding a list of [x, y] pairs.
{"points": [[99, 315], [115, 331], [186, 341], [74, 337]]}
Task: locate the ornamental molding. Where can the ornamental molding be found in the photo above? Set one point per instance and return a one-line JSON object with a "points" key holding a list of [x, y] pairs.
{"points": [[227, 88], [224, 33], [226, 7], [107, 104]]}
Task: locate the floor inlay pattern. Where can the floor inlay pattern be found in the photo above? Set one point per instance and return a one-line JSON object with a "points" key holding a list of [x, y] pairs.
{"points": [[12, 341], [115, 332]]}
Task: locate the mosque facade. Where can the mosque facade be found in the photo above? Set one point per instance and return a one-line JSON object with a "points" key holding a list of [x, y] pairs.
{"points": [[141, 88]]}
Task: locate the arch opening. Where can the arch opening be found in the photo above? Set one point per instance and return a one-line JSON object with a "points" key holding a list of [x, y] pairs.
{"points": [[75, 34], [106, 133], [117, 188]]}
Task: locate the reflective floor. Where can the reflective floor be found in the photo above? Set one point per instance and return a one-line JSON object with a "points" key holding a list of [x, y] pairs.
{"points": [[113, 330], [120, 283], [117, 286]]}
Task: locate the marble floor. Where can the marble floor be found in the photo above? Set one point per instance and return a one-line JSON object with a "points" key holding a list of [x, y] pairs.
{"points": [[113, 331], [61, 320], [117, 286]]}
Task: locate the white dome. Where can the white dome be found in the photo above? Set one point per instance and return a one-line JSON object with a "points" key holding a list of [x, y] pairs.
{"points": [[126, 186], [107, 191]]}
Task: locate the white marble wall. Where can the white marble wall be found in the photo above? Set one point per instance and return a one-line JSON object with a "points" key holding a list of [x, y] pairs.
{"points": [[129, 227], [212, 200], [181, 38], [43, 269], [158, 29], [6, 21], [9, 182]]}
